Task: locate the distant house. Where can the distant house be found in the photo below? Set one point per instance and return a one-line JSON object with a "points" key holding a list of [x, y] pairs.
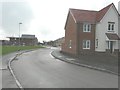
{"points": [[58, 42], [89, 31], [24, 40], [4, 42]]}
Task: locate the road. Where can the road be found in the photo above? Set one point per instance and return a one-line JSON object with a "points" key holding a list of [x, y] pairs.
{"points": [[38, 69]]}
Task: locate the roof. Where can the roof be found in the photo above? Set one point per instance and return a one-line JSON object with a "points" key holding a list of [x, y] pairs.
{"points": [[27, 36], [112, 36], [102, 12], [88, 15], [84, 15]]}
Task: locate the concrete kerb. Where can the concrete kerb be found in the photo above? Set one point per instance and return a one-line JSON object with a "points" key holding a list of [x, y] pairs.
{"points": [[84, 65], [12, 72]]}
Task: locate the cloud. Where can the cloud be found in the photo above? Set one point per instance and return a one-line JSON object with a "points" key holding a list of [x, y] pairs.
{"points": [[44, 18], [13, 13]]}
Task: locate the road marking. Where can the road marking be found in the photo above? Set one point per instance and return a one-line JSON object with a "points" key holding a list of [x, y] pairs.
{"points": [[50, 54]]}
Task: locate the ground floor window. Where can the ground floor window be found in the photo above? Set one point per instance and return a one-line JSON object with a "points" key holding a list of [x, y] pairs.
{"points": [[96, 43], [86, 44], [70, 44]]}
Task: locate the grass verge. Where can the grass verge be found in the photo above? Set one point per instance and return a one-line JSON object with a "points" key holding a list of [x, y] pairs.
{"points": [[8, 49]]}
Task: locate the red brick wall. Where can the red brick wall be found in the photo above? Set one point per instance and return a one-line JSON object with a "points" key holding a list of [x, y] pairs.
{"points": [[74, 32], [86, 36], [70, 34]]}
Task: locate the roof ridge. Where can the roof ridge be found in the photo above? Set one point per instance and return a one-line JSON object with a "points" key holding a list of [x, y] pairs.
{"points": [[106, 7], [89, 15], [102, 12], [83, 10]]}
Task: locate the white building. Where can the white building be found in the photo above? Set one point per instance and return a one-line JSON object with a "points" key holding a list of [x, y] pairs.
{"points": [[107, 31]]}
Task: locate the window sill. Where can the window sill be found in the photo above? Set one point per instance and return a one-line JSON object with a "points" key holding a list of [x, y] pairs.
{"points": [[111, 31], [86, 48], [87, 31]]}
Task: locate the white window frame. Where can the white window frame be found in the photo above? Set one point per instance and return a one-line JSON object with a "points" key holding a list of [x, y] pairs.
{"points": [[111, 26], [96, 43], [70, 44], [86, 44], [86, 27]]}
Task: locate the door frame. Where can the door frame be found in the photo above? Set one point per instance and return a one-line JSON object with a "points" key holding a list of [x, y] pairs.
{"points": [[110, 46]]}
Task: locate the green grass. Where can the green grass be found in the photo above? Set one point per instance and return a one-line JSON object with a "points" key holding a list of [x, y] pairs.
{"points": [[9, 49]]}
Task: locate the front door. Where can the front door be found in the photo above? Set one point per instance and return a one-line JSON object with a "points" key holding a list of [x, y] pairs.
{"points": [[111, 46]]}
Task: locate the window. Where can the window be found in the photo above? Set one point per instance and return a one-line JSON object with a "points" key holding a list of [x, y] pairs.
{"points": [[86, 27], [86, 44], [96, 43], [70, 44], [111, 26]]}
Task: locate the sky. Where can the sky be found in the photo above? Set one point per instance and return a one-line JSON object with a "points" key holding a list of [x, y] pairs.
{"points": [[43, 18]]}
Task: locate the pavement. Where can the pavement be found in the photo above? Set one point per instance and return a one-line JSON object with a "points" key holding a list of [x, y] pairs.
{"points": [[6, 77], [102, 62]]}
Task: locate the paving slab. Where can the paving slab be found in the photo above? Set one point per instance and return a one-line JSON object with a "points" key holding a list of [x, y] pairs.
{"points": [[102, 62]]}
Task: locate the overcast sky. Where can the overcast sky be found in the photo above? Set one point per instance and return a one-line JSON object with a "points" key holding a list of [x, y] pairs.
{"points": [[43, 18]]}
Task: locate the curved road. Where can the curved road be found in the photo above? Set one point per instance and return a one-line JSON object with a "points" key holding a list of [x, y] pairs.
{"points": [[38, 69]]}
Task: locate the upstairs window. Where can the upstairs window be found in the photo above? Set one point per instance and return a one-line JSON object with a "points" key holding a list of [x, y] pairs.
{"points": [[86, 27], [111, 26]]}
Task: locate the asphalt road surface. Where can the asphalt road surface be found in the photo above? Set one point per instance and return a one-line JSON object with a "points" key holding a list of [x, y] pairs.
{"points": [[38, 69]]}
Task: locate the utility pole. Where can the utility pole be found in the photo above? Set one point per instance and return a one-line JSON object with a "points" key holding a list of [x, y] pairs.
{"points": [[19, 33]]}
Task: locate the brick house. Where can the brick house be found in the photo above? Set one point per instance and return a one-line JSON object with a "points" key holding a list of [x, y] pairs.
{"points": [[89, 31], [58, 42], [4, 42], [24, 40]]}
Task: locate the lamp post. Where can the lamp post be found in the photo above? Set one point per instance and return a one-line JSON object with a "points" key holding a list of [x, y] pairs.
{"points": [[19, 33]]}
